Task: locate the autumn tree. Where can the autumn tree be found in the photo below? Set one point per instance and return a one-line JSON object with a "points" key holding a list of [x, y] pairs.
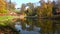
{"points": [[10, 6], [45, 10], [42, 10], [22, 9], [3, 6], [49, 8], [31, 9]]}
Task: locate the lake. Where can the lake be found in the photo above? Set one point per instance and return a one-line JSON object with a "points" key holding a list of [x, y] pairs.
{"points": [[41, 26]]}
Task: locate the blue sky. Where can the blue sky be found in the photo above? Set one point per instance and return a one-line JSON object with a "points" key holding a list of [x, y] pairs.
{"points": [[19, 2]]}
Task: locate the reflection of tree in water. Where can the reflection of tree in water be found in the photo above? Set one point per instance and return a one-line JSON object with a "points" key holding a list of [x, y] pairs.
{"points": [[22, 23], [32, 22], [56, 26], [42, 23], [47, 26]]}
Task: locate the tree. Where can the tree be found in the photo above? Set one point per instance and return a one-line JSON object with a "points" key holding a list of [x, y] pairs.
{"points": [[49, 8], [3, 6], [31, 6], [22, 9], [58, 3], [10, 5], [42, 10], [28, 12], [31, 9]]}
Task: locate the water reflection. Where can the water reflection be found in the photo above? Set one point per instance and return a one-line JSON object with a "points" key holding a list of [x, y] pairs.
{"points": [[42, 26], [26, 30]]}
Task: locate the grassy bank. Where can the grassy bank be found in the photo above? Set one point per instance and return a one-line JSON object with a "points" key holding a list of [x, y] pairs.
{"points": [[3, 18], [4, 21]]}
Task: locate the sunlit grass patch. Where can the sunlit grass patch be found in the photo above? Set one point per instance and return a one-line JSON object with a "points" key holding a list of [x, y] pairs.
{"points": [[2, 18], [5, 20]]}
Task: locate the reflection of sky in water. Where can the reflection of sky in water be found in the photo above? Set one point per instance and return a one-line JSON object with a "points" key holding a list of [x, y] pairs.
{"points": [[29, 32], [35, 30]]}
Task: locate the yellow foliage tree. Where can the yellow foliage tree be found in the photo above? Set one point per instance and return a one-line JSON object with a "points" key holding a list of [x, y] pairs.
{"points": [[39, 11], [49, 9], [3, 8], [42, 10]]}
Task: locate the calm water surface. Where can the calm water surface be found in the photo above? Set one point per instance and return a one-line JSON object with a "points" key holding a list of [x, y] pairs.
{"points": [[38, 27]]}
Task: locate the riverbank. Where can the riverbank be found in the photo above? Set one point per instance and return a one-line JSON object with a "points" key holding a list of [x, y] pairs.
{"points": [[4, 18], [5, 28], [8, 30]]}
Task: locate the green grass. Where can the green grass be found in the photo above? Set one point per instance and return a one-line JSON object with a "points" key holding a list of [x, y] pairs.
{"points": [[2, 18], [5, 18]]}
